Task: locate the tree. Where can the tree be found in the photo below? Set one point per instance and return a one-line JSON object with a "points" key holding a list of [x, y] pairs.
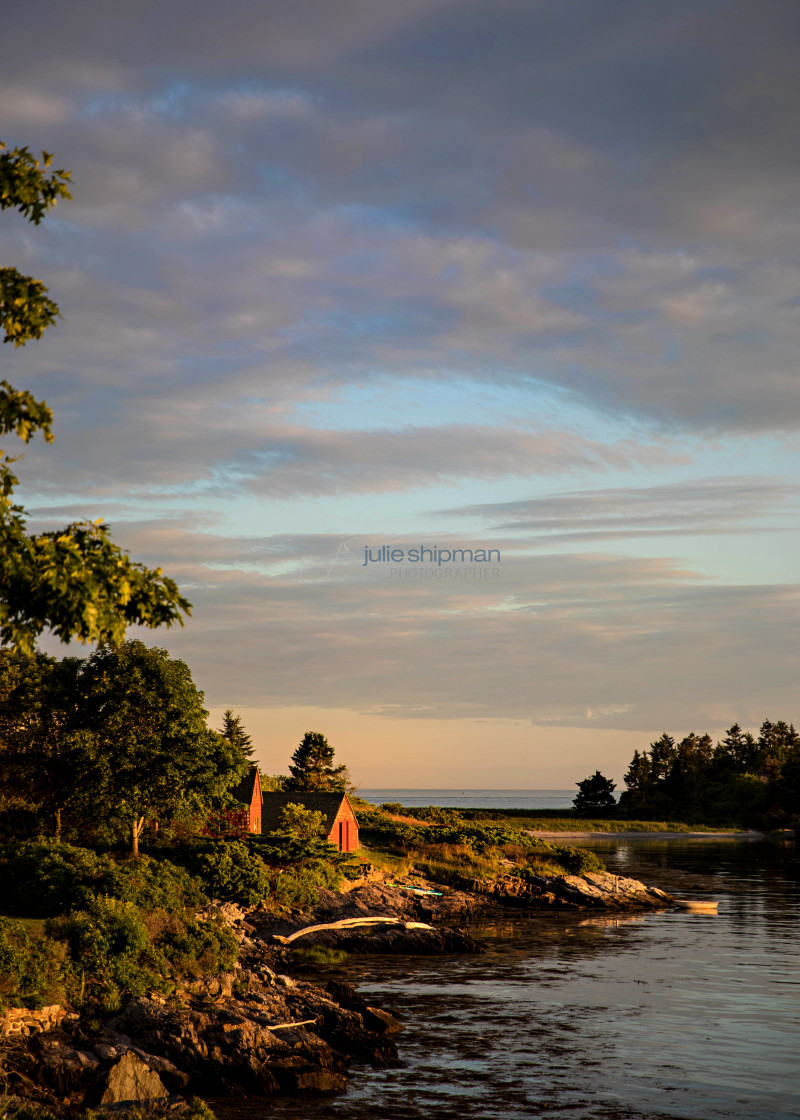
{"points": [[75, 581], [236, 735], [312, 766], [40, 749], [595, 795], [156, 759], [301, 823]]}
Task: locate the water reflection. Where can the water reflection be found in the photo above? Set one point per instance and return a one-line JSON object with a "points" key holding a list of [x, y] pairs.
{"points": [[672, 1015]]}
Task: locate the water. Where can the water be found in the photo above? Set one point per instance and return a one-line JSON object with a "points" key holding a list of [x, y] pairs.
{"points": [[667, 1016], [474, 798]]}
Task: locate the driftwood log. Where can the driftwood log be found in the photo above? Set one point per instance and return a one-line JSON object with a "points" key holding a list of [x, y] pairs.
{"points": [[349, 923]]}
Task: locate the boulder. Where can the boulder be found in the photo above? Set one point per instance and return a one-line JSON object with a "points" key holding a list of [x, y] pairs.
{"points": [[131, 1081]]}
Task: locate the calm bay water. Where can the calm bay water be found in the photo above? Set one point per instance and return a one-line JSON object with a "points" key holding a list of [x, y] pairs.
{"points": [[474, 798], [672, 1015]]}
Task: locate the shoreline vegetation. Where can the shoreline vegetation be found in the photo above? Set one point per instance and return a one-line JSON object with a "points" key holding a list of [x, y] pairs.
{"points": [[168, 975], [110, 960]]}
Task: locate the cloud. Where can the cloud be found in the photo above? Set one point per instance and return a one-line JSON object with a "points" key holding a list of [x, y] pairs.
{"points": [[596, 203], [639, 643], [716, 505]]}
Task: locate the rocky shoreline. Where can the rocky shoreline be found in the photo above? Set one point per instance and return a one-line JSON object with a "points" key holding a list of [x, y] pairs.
{"points": [[258, 1030]]}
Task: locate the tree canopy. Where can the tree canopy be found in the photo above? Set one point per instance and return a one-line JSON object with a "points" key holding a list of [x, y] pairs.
{"points": [[117, 739], [312, 766], [74, 581], [742, 779], [595, 795]]}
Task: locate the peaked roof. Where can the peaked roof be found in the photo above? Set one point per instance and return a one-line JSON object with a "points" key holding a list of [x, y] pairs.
{"points": [[243, 790], [326, 803]]}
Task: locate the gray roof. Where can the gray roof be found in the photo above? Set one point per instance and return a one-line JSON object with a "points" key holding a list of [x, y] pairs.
{"points": [[326, 803]]}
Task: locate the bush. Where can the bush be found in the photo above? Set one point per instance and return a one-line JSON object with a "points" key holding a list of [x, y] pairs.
{"points": [[478, 843], [299, 886], [232, 870], [34, 970], [111, 951], [201, 948], [44, 878]]}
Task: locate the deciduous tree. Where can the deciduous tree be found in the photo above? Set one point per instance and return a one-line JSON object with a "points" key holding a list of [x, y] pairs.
{"points": [[75, 581], [156, 758]]}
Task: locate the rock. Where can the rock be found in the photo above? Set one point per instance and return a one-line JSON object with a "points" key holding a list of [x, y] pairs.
{"points": [[131, 1081], [376, 1019], [318, 1081]]}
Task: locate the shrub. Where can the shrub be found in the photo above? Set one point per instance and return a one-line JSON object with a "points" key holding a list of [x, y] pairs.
{"points": [[34, 970], [392, 807], [233, 870], [111, 951], [43, 878], [299, 886], [201, 948]]}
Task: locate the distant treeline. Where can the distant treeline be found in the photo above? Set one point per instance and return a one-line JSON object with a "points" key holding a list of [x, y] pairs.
{"points": [[742, 779]]}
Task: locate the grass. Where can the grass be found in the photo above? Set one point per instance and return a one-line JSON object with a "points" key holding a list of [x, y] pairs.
{"points": [[390, 862], [450, 863], [33, 926], [554, 820]]}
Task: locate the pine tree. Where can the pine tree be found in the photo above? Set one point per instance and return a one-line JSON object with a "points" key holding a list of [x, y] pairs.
{"points": [[312, 766], [236, 735], [595, 795]]}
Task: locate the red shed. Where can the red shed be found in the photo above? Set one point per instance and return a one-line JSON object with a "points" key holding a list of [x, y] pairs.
{"points": [[249, 793], [338, 819]]}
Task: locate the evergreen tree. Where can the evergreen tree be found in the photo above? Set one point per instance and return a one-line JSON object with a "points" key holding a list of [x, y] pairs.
{"points": [[236, 735], [595, 795], [639, 783], [312, 766]]}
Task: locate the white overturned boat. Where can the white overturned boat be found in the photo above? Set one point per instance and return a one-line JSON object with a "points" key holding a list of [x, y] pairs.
{"points": [[697, 906]]}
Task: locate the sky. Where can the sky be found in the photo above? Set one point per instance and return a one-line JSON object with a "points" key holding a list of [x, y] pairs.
{"points": [[514, 277]]}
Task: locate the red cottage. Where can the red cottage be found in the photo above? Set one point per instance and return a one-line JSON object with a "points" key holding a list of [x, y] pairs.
{"points": [[338, 819], [248, 791]]}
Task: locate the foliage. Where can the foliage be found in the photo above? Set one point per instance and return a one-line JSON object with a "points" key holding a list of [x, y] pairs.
{"points": [[742, 779], [294, 820], [33, 970], [198, 948], [232, 870], [299, 886], [236, 735], [111, 951], [105, 743], [39, 749], [197, 1110], [75, 581], [44, 878], [467, 841], [155, 757], [595, 795], [273, 783], [312, 766], [25, 310]]}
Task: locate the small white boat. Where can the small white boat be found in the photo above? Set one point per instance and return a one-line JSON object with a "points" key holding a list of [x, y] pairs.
{"points": [[697, 906]]}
